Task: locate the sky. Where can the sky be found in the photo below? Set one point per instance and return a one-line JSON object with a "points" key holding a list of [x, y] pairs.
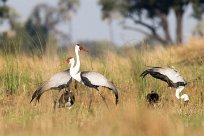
{"points": [[88, 25]]}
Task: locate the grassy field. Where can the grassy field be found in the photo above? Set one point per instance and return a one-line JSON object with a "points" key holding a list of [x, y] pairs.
{"points": [[20, 75]]}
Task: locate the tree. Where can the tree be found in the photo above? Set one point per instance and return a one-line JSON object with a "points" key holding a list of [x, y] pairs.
{"points": [[179, 7], [4, 9], [198, 10], [66, 10], [41, 21], [8, 20], [108, 14], [151, 15]]}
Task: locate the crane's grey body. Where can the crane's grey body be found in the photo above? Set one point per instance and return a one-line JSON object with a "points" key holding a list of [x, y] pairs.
{"points": [[94, 80], [58, 81], [168, 75]]}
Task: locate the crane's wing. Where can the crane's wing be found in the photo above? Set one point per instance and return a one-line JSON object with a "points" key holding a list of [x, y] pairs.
{"points": [[94, 78], [58, 81], [97, 79], [171, 76]]}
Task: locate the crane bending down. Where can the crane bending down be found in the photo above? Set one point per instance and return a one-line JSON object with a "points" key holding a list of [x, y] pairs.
{"points": [[171, 77], [60, 80], [92, 79]]}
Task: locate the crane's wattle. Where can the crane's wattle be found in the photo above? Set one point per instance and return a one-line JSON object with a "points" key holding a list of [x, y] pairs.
{"points": [[82, 48], [68, 60]]}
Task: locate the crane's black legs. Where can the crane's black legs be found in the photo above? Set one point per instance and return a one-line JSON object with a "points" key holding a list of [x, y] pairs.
{"points": [[75, 85], [104, 99], [54, 106], [90, 97], [56, 101]]}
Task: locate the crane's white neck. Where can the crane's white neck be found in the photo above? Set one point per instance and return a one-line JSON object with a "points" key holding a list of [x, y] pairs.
{"points": [[184, 97], [77, 66], [74, 72], [72, 66], [75, 69]]}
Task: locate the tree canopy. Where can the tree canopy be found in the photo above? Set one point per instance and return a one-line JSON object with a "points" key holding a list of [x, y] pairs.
{"points": [[153, 15], [43, 20]]}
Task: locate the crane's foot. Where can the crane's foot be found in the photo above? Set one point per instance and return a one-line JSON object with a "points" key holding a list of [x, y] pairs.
{"points": [[55, 104], [90, 98]]}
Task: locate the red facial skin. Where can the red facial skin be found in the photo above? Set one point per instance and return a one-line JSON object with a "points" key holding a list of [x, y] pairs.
{"points": [[68, 60], [82, 48]]}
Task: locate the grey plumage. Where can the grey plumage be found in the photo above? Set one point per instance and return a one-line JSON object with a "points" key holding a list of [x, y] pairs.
{"points": [[168, 75], [58, 81], [94, 80]]}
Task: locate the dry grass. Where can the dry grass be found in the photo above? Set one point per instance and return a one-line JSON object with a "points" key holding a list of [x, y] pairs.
{"points": [[131, 117]]}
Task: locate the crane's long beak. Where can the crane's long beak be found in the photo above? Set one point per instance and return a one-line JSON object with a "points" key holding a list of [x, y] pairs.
{"points": [[84, 49]]}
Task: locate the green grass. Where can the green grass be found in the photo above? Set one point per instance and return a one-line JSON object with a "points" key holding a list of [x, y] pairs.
{"points": [[14, 77]]}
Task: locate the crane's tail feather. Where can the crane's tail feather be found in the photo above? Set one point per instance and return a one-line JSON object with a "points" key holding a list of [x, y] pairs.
{"points": [[37, 94], [115, 91]]}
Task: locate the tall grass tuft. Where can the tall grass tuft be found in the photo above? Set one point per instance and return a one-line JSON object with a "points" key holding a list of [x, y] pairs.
{"points": [[14, 77], [137, 67]]}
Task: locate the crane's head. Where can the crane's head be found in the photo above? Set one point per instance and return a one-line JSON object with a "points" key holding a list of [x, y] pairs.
{"points": [[79, 47], [70, 60], [183, 97]]}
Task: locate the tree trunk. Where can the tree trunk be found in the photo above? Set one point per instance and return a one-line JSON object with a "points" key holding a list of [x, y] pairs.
{"points": [[179, 26], [153, 30], [165, 26], [111, 34]]}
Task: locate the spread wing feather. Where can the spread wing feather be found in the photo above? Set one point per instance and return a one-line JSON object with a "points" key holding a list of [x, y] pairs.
{"points": [[96, 79], [58, 81], [168, 75]]}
